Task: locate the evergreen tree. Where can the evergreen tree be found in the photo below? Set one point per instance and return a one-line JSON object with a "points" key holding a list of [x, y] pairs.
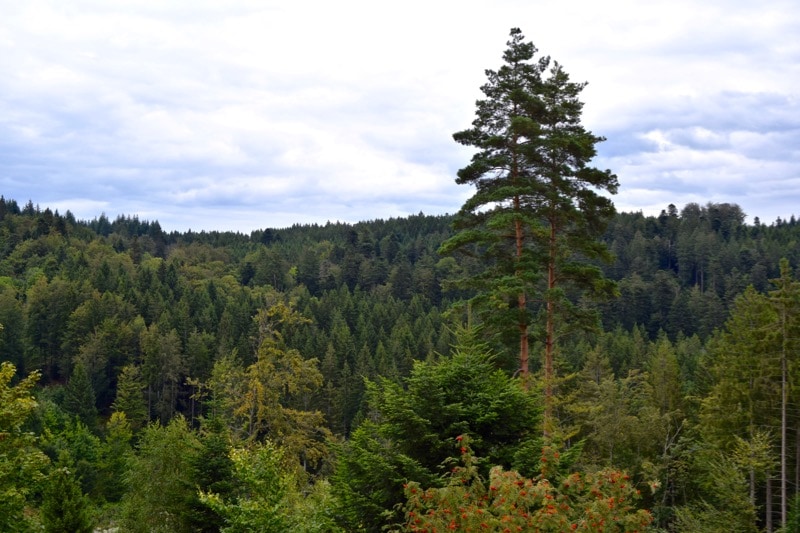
{"points": [[214, 472], [79, 397], [266, 400], [537, 213], [65, 509], [785, 300], [130, 398], [115, 454], [408, 434]]}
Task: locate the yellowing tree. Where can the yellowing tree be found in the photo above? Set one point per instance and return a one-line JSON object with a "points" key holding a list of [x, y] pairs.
{"points": [[506, 502], [268, 398]]}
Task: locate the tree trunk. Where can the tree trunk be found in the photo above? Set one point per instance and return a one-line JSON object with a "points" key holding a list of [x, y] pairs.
{"points": [[519, 241], [768, 505], [797, 461], [784, 448], [549, 424], [521, 304]]}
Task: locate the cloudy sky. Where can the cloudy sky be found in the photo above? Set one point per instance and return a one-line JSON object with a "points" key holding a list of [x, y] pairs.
{"points": [[240, 115]]}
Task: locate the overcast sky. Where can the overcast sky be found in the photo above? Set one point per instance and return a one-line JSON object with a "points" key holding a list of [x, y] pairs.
{"points": [[241, 115]]}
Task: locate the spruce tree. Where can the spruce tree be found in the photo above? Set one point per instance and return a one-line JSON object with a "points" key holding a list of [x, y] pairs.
{"points": [[130, 397], [79, 397], [65, 509]]}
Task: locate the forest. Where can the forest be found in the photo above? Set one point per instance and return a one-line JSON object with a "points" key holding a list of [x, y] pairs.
{"points": [[134, 380], [535, 362]]}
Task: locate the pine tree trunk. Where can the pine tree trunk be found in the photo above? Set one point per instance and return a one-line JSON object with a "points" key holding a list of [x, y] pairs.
{"points": [[549, 337], [519, 240], [522, 304]]}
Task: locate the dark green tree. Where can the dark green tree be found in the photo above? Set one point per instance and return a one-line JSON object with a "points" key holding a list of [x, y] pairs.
{"points": [[538, 210], [408, 434], [65, 509], [214, 471], [79, 397]]}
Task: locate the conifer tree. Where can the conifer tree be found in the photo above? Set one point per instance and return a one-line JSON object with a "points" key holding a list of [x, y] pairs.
{"points": [[538, 209], [65, 509], [786, 301], [79, 397], [130, 397]]}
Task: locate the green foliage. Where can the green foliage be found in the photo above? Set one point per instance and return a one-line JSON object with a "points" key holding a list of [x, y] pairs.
{"points": [[120, 296], [369, 476], [409, 432], [259, 502], [462, 393], [313, 509], [536, 216], [115, 454], [77, 446], [21, 462], [161, 492], [727, 507], [65, 509], [79, 397], [130, 399], [214, 470], [266, 399]]}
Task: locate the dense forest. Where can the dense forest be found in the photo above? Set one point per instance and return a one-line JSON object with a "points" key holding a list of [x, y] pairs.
{"points": [[534, 362], [298, 378]]}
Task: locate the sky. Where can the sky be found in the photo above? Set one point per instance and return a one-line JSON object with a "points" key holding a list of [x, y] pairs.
{"points": [[242, 115]]}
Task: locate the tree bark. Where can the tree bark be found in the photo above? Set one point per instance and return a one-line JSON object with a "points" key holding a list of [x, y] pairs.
{"points": [[550, 336]]}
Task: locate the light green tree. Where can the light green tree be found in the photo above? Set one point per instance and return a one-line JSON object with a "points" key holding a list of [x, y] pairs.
{"points": [[115, 453], [21, 461], [130, 398], [265, 496], [259, 502], [785, 299], [161, 492]]}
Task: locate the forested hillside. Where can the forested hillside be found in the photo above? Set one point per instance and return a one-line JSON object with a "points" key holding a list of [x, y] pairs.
{"points": [[297, 378]]}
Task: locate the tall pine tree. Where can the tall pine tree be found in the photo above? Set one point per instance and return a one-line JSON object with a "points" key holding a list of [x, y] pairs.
{"points": [[537, 213]]}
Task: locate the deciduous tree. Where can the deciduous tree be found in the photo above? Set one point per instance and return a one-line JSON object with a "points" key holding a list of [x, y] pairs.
{"points": [[21, 461]]}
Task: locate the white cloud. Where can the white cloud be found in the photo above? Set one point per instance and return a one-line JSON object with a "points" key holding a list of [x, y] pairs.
{"points": [[309, 111]]}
